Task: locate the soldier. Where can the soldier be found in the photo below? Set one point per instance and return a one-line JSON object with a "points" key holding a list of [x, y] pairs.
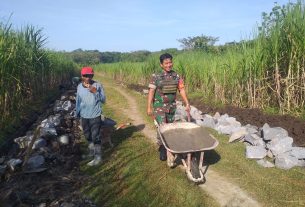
{"points": [[162, 95]]}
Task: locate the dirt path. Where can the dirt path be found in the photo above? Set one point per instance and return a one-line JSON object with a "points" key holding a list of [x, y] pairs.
{"points": [[223, 191]]}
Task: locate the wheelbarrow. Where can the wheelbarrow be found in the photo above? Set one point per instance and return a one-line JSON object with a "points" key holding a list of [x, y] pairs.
{"points": [[187, 141]]}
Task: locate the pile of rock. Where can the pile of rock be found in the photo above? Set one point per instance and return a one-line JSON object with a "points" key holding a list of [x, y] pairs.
{"points": [[53, 131], [43, 165], [270, 146]]}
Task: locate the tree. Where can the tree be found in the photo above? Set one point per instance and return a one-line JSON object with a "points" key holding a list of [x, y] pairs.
{"points": [[85, 57], [110, 57], [172, 51], [203, 42], [136, 56]]}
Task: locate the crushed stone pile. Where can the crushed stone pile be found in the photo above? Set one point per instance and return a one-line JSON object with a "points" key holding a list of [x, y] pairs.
{"points": [[270, 146], [42, 167]]}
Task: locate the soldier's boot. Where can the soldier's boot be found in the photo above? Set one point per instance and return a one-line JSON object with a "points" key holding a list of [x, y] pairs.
{"points": [[97, 156], [163, 153], [162, 149], [90, 152]]}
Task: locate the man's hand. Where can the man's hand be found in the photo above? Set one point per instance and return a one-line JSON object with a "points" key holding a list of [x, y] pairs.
{"points": [[92, 89], [188, 108]]}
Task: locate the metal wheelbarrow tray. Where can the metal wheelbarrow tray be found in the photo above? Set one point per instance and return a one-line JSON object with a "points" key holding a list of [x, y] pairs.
{"points": [[188, 141]]}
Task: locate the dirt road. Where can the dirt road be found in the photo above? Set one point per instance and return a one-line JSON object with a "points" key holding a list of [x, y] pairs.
{"points": [[223, 191]]}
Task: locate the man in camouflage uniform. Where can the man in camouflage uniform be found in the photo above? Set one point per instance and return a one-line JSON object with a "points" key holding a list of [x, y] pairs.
{"points": [[162, 95]]}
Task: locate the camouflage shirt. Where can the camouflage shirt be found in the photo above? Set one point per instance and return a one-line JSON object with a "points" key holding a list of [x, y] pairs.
{"points": [[161, 100]]}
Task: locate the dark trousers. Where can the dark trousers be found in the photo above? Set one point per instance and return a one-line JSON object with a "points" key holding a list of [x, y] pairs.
{"points": [[92, 129]]}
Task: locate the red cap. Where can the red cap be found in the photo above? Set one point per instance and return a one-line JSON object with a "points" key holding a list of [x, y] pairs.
{"points": [[87, 70]]}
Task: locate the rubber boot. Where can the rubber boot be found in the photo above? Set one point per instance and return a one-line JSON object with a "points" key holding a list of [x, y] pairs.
{"points": [[90, 153], [97, 155], [91, 149], [163, 153]]}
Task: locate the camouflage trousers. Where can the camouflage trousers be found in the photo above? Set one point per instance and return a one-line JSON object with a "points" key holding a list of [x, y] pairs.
{"points": [[163, 115]]}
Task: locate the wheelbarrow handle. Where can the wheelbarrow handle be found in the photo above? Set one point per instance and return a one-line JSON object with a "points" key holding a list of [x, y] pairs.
{"points": [[154, 120], [188, 116], [156, 123]]}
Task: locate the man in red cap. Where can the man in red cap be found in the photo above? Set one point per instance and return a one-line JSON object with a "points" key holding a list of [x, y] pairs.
{"points": [[89, 98]]}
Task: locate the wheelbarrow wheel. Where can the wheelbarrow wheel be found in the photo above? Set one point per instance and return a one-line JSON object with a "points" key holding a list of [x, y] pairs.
{"points": [[195, 168]]}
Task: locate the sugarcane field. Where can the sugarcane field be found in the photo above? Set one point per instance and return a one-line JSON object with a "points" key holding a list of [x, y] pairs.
{"points": [[152, 103]]}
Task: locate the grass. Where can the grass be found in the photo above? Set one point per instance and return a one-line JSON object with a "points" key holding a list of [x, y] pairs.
{"points": [[270, 186], [265, 71], [132, 174], [28, 71], [25, 114]]}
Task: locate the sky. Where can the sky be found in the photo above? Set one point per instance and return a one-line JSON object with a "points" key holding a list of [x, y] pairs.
{"points": [[131, 25]]}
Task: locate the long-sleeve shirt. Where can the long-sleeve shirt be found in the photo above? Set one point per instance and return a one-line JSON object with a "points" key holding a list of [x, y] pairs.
{"points": [[88, 104]]}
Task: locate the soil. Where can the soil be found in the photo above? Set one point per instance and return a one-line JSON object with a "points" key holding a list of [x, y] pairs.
{"points": [[223, 191], [59, 183], [294, 126], [138, 88], [60, 179]]}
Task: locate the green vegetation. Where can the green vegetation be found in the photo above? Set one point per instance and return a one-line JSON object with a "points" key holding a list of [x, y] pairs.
{"points": [[132, 174], [266, 72], [270, 186], [202, 43], [90, 57], [28, 72]]}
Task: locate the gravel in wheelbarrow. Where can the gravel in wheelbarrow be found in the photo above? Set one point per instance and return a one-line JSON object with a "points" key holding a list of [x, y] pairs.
{"points": [[182, 137]]}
